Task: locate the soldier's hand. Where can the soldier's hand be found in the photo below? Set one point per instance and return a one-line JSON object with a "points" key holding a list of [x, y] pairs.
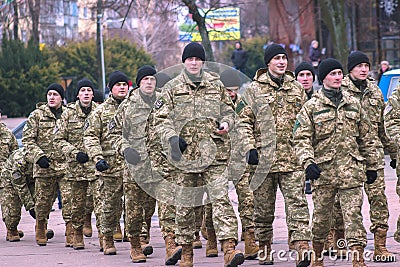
{"points": [[252, 157], [223, 128], [82, 157], [32, 213], [102, 165], [313, 171], [178, 146], [44, 162], [393, 163], [132, 156], [371, 176]]}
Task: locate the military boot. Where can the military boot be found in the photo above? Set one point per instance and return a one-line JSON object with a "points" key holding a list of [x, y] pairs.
{"points": [[196, 242], [108, 246], [136, 250], [339, 244], [303, 253], [118, 233], [203, 229], [12, 235], [172, 251], [187, 256], [358, 256], [290, 244], [250, 245], [146, 248], [265, 256], [232, 256], [78, 242], [328, 245], [317, 258], [101, 242], [211, 245], [40, 228], [87, 225], [69, 235], [381, 254]]}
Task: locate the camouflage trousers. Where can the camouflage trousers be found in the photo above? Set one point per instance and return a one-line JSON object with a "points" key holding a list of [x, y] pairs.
{"points": [[65, 186], [111, 191], [224, 217], [296, 207], [89, 207], [397, 233], [95, 187], [245, 207], [351, 200], [79, 193], [46, 193], [378, 211], [11, 206]]}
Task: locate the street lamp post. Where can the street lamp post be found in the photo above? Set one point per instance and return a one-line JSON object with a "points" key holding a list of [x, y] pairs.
{"points": [[103, 75]]}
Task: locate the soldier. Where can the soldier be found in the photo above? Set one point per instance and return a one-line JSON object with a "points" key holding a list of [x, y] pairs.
{"points": [[364, 88], [276, 89], [129, 137], [194, 106], [69, 140], [332, 144], [109, 164], [48, 169], [392, 125]]}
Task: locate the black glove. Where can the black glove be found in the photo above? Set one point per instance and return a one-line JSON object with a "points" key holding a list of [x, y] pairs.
{"points": [[43, 162], [393, 163], [102, 165], [371, 176], [82, 157], [131, 156], [313, 172], [178, 146], [32, 213], [252, 157]]}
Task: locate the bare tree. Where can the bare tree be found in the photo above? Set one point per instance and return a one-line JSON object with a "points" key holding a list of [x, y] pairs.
{"points": [[34, 10]]}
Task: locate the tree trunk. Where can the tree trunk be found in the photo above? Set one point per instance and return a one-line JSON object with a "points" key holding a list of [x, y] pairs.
{"points": [[98, 45], [34, 9], [16, 20]]}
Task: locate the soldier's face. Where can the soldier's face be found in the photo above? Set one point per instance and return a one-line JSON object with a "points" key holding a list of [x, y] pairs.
{"points": [[193, 65], [305, 77], [360, 71], [85, 96], [334, 79], [232, 92], [120, 90], [148, 85], [54, 99], [278, 64]]}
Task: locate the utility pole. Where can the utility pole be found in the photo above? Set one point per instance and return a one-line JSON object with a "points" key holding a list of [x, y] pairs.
{"points": [[99, 46]]}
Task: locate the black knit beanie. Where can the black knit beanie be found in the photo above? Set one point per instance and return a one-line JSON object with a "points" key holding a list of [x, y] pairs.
{"points": [[304, 66], [83, 83], [56, 87], [230, 78], [116, 77], [273, 50], [326, 66], [194, 50], [144, 71], [356, 58], [98, 96]]}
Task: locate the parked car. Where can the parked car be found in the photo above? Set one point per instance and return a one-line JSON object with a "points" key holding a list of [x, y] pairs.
{"points": [[388, 82], [17, 131]]}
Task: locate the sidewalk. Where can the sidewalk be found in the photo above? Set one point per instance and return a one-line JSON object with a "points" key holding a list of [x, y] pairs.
{"points": [[27, 253]]}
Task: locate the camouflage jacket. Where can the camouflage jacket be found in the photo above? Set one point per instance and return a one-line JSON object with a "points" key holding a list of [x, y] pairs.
{"points": [[267, 114], [338, 136], [96, 137], [69, 140], [392, 121], [38, 138], [18, 174], [373, 104], [8, 143], [194, 113]]}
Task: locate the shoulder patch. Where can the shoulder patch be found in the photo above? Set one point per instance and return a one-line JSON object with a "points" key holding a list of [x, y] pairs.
{"points": [[240, 106], [55, 130], [86, 125], [159, 103], [296, 126], [111, 124]]}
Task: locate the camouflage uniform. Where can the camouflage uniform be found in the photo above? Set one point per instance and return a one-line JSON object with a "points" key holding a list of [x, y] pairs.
{"points": [[129, 131], [285, 102], [69, 140], [192, 112], [392, 125], [99, 146], [8, 143], [38, 140], [337, 140]]}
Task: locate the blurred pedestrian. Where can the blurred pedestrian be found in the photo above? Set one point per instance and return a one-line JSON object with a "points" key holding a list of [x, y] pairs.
{"points": [[239, 57], [384, 67]]}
